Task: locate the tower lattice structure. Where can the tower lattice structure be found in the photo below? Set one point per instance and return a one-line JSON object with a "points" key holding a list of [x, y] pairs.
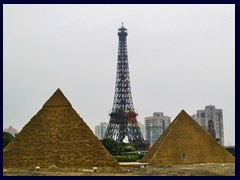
{"points": [[123, 118]]}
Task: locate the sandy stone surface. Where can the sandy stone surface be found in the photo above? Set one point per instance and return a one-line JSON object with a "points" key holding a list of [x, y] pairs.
{"points": [[186, 142], [56, 136], [207, 169]]}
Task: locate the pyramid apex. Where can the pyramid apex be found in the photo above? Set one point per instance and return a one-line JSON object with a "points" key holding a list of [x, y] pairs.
{"points": [[183, 111], [57, 99], [181, 114]]}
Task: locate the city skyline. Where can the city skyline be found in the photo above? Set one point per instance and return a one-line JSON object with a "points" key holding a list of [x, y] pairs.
{"points": [[180, 57], [100, 129], [154, 126]]}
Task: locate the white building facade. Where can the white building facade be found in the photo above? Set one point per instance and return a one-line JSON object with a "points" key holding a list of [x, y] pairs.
{"points": [[11, 130], [155, 126], [142, 129], [211, 119], [100, 130]]}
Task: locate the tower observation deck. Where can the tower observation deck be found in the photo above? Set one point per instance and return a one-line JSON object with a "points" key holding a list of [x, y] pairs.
{"points": [[123, 118]]}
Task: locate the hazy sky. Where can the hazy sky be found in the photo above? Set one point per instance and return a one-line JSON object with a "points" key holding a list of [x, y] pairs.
{"points": [[180, 57]]}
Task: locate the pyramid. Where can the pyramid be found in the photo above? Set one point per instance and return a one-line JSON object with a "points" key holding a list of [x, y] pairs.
{"points": [[56, 137], [186, 142]]}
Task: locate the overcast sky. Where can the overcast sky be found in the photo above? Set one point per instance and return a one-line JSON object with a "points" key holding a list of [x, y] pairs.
{"points": [[180, 57]]}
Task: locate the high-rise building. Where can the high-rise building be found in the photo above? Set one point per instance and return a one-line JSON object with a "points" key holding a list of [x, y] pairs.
{"points": [[155, 126], [194, 116], [11, 130], [100, 130], [211, 119], [142, 129]]}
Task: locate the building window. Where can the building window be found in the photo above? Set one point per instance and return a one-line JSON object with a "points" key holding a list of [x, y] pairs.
{"points": [[184, 156]]}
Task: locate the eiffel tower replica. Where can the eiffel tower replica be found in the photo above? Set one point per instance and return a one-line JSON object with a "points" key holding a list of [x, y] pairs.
{"points": [[123, 118]]}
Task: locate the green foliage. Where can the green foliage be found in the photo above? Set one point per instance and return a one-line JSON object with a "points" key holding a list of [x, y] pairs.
{"points": [[129, 148], [231, 150], [123, 152], [114, 147], [7, 137], [129, 157]]}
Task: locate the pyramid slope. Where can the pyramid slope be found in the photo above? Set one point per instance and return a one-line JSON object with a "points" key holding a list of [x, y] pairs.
{"points": [[56, 136], [186, 142]]}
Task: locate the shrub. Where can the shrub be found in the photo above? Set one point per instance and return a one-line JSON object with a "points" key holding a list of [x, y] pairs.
{"points": [[129, 157], [231, 150], [7, 137]]}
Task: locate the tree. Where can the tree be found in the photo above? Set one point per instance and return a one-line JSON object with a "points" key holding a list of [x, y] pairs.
{"points": [[7, 137], [114, 147], [129, 148]]}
